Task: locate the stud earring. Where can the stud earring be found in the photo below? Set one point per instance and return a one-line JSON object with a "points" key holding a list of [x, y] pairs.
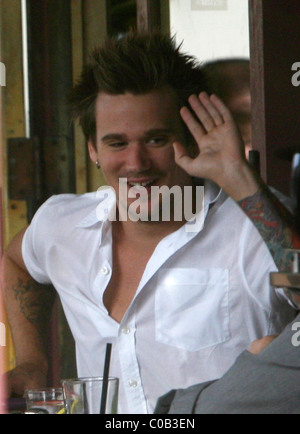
{"points": [[98, 164]]}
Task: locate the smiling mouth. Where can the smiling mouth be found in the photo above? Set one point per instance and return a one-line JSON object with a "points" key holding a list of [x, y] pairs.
{"points": [[142, 183]]}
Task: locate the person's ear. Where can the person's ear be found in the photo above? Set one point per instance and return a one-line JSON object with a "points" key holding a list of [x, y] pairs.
{"points": [[92, 151]]}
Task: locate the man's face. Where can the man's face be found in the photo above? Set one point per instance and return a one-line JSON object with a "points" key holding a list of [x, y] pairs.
{"points": [[135, 134]]}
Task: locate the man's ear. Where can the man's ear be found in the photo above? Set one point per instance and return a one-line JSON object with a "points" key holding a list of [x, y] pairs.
{"points": [[92, 151]]}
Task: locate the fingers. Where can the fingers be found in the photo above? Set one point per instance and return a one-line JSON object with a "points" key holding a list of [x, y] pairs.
{"points": [[181, 153], [206, 111], [259, 345], [192, 123], [224, 112], [182, 157], [209, 110]]}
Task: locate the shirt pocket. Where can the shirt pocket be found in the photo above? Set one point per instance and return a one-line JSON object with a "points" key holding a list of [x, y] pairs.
{"points": [[192, 308]]}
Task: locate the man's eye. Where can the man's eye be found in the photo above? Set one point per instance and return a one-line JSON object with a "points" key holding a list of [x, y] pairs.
{"points": [[116, 145], [158, 141]]}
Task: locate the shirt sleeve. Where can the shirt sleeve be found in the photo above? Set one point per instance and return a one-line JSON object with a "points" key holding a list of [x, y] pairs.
{"points": [[34, 245]]}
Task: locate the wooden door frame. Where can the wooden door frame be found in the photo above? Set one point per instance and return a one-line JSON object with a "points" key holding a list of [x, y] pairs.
{"points": [[153, 15], [275, 47]]}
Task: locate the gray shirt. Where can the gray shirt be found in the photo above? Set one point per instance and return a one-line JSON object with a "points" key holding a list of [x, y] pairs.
{"points": [[268, 383]]}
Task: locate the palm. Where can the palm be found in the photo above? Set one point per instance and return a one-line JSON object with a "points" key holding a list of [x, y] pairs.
{"points": [[219, 143]]}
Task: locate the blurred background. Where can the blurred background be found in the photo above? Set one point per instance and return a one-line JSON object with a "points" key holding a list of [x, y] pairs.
{"points": [[45, 43]]}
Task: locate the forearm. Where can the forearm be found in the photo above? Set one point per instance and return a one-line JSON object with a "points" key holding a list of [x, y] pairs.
{"points": [[271, 219], [239, 181], [274, 224], [28, 305], [221, 158], [276, 227]]}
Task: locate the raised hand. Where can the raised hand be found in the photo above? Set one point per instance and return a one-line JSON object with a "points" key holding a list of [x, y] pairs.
{"points": [[221, 156]]}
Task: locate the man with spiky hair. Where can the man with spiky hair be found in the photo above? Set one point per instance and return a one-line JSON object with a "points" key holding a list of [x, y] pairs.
{"points": [[178, 306]]}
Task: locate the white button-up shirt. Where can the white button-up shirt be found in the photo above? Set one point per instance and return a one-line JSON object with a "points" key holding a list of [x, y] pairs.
{"points": [[203, 298]]}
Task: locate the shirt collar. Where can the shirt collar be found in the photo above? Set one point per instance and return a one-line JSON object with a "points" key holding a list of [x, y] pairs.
{"points": [[104, 211], [212, 192]]}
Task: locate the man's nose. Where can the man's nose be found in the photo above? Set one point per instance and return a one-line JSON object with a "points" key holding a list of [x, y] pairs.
{"points": [[137, 158]]}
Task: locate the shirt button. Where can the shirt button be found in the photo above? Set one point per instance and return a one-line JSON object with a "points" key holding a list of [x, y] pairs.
{"points": [[133, 384], [104, 271], [126, 331]]}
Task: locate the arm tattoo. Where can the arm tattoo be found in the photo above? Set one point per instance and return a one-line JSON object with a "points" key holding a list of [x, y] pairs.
{"points": [[273, 223], [35, 301], [276, 227]]}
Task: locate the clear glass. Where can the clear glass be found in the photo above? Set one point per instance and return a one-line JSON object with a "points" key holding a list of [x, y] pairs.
{"points": [[48, 400], [83, 395]]}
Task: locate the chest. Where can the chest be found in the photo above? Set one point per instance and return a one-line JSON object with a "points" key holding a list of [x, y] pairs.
{"points": [[128, 268]]}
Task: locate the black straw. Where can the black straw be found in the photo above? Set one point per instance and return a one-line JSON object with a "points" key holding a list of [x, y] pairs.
{"points": [[105, 379]]}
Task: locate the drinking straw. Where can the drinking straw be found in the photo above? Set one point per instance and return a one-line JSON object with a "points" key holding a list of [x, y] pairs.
{"points": [[85, 400], [105, 379]]}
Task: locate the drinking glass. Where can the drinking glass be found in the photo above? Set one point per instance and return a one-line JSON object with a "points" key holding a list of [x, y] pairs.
{"points": [[84, 395], [47, 401]]}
